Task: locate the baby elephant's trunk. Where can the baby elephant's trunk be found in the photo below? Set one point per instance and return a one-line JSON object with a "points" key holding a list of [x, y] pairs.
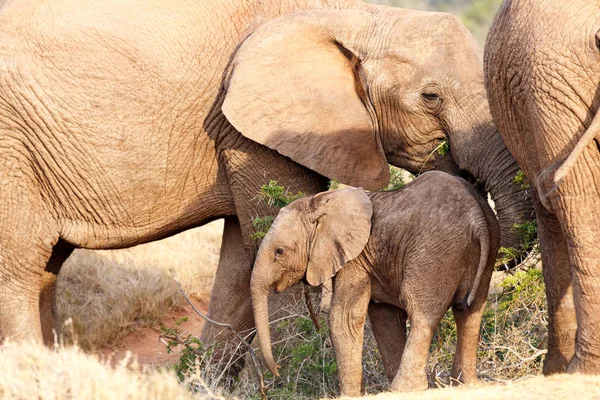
{"points": [[483, 234], [260, 305]]}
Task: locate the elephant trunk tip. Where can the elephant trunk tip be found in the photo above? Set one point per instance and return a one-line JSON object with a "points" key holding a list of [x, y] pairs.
{"points": [[273, 367]]}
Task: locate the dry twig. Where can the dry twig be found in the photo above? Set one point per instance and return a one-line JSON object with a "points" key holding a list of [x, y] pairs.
{"points": [[253, 357]]}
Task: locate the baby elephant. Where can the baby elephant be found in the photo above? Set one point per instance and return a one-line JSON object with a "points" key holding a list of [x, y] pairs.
{"points": [[409, 254]]}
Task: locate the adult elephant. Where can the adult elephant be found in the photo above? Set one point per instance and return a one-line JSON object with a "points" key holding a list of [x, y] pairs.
{"points": [[125, 121], [543, 74]]}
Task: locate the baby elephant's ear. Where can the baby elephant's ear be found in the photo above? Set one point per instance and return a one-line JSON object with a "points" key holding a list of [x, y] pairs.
{"points": [[342, 227]]}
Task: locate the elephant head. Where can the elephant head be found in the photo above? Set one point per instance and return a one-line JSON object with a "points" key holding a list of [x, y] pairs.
{"points": [[345, 92], [313, 237]]}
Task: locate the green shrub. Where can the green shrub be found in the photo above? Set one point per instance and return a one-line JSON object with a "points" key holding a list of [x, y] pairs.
{"points": [[276, 196], [396, 179]]}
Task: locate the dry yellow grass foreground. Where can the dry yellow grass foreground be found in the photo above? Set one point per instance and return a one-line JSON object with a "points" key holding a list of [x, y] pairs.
{"points": [[35, 372], [570, 387]]}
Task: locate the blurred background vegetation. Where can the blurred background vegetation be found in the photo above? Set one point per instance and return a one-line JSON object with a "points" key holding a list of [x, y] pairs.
{"points": [[477, 15]]}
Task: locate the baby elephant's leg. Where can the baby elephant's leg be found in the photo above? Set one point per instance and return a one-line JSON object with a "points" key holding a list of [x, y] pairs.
{"points": [[468, 325], [347, 315], [388, 324], [411, 375]]}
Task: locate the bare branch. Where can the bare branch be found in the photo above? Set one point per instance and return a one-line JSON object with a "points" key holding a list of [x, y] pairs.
{"points": [[255, 361]]}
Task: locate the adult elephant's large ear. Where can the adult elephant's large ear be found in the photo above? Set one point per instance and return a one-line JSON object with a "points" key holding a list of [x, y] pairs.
{"points": [[295, 87], [342, 221]]}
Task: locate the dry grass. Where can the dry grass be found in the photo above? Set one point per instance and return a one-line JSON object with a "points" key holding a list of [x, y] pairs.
{"points": [[35, 372], [556, 387], [108, 294]]}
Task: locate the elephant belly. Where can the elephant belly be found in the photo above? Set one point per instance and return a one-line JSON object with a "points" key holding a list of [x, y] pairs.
{"points": [[109, 128]]}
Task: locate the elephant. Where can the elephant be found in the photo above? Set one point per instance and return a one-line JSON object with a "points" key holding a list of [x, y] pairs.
{"points": [[542, 70], [124, 122], [393, 256]]}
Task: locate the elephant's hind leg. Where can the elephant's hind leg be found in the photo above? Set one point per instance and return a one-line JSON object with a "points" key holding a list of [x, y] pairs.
{"points": [[411, 375], [48, 311], [580, 215], [562, 324], [27, 235], [468, 326], [388, 324]]}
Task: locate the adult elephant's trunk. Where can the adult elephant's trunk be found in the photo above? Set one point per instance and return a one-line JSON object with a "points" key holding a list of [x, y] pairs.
{"points": [[260, 304], [477, 147]]}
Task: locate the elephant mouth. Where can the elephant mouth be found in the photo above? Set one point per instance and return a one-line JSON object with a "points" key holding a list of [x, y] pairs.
{"points": [[304, 280], [422, 160], [413, 165]]}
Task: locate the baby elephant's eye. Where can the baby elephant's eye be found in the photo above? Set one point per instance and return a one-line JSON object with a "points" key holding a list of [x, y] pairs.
{"points": [[279, 251]]}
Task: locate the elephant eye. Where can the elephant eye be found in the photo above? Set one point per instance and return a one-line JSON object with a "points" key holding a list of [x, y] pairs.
{"points": [[279, 251], [430, 96]]}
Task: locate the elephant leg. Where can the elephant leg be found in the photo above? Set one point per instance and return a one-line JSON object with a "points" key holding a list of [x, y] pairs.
{"points": [[26, 240], [562, 323], [388, 324], [51, 326], [468, 327], [411, 375], [580, 215], [347, 316], [230, 298]]}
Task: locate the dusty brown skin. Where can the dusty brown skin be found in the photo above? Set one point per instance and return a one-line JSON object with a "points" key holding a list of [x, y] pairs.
{"points": [[543, 74], [421, 258], [126, 121]]}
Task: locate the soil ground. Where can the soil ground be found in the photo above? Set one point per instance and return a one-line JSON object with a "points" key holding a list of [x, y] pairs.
{"points": [[145, 344]]}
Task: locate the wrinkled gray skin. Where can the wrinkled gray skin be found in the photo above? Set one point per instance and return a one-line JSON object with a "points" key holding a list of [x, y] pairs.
{"points": [[543, 74], [123, 122], [420, 259]]}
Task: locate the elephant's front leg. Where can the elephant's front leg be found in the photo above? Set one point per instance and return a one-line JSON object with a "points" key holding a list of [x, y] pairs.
{"points": [[562, 324], [351, 295], [579, 215], [230, 298], [388, 324]]}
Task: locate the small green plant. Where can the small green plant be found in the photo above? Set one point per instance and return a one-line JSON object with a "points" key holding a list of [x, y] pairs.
{"points": [[528, 233], [193, 350], [443, 148], [515, 327], [309, 361], [261, 226], [276, 196], [521, 179], [334, 184], [396, 179]]}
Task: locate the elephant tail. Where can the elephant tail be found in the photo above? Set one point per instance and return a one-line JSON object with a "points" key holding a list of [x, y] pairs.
{"points": [[484, 255], [592, 132]]}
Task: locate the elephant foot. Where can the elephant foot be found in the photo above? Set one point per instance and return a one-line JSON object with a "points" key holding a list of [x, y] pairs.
{"points": [[414, 383], [464, 376], [590, 365], [555, 362]]}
